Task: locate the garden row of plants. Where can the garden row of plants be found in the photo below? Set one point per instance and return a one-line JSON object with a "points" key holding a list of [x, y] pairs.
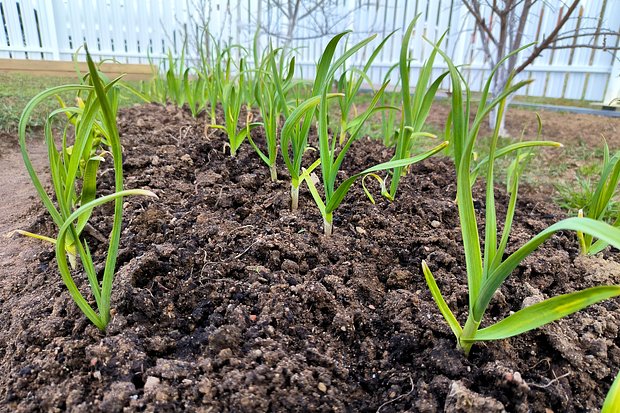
{"points": [[242, 80]]}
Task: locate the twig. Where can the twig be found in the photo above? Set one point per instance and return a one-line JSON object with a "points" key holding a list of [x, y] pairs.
{"points": [[187, 131], [544, 386], [586, 46], [232, 231], [95, 233], [171, 136], [397, 398], [549, 39], [474, 10], [545, 360], [218, 197], [204, 263], [245, 250], [196, 182]]}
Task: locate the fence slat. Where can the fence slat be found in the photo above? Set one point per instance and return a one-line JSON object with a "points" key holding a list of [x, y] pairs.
{"points": [[132, 30], [15, 34], [4, 40]]}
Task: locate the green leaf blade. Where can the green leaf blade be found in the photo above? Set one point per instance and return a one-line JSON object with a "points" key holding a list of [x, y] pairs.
{"points": [[598, 229], [612, 401], [342, 190], [545, 312], [441, 303]]}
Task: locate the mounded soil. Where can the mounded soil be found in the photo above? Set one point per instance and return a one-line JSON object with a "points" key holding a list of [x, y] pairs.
{"points": [[225, 300]]}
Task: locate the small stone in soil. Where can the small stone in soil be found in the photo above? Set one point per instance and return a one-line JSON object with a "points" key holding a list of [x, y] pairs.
{"points": [[225, 354], [462, 400], [151, 383]]}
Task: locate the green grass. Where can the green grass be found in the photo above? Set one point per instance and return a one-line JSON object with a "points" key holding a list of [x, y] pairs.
{"points": [[541, 100], [574, 195], [556, 101], [17, 90]]}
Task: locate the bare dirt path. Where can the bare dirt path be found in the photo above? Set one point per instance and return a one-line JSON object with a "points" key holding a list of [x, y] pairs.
{"points": [[17, 198]]}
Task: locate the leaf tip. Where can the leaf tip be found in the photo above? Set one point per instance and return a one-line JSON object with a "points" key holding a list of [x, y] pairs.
{"points": [[151, 194]]}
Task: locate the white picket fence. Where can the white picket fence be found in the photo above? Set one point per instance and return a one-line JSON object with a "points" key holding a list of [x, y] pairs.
{"points": [[132, 30]]}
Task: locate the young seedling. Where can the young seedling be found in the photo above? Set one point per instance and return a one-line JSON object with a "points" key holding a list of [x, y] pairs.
{"points": [[174, 78], [98, 114], [195, 91], [330, 160], [169, 87], [271, 107], [233, 99], [349, 84], [414, 110], [294, 135], [211, 60], [89, 159], [330, 163], [486, 271], [599, 203], [388, 117], [155, 87], [217, 67]]}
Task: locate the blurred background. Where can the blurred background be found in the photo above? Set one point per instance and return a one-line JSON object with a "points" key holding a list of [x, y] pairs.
{"points": [[580, 63]]}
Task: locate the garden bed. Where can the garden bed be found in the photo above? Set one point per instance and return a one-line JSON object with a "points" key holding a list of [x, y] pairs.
{"points": [[225, 300]]}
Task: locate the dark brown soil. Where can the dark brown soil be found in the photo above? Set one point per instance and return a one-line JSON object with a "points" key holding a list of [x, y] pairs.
{"points": [[224, 300]]}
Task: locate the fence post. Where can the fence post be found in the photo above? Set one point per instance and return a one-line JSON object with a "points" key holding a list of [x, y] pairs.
{"points": [[613, 85], [50, 22]]}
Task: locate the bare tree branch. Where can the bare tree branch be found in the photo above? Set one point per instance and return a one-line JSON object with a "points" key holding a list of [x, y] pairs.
{"points": [[587, 46], [549, 39], [474, 10], [312, 9], [566, 35], [318, 17], [504, 32]]}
